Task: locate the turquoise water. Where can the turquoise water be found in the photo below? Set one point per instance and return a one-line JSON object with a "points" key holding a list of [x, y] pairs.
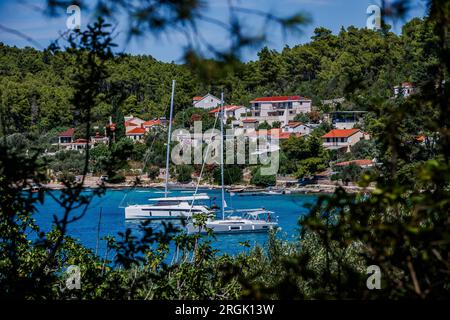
{"points": [[288, 208]]}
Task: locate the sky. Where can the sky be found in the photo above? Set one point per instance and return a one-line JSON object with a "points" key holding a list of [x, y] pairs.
{"points": [[26, 16]]}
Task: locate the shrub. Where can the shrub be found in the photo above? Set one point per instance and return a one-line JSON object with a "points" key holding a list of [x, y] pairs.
{"points": [[152, 172], [117, 178], [184, 173], [262, 180]]}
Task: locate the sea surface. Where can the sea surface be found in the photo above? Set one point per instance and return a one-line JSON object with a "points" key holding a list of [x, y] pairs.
{"points": [[106, 216]]}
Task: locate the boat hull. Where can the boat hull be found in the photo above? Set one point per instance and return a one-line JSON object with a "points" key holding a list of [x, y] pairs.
{"points": [[224, 228], [158, 213]]}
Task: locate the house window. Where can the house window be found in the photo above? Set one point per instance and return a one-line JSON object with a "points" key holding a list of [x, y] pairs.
{"points": [[343, 139]]}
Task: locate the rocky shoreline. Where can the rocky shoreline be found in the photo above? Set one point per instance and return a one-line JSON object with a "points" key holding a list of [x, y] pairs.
{"points": [[131, 183]]}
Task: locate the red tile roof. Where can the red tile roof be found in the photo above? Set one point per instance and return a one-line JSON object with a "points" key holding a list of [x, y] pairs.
{"points": [[363, 162], [278, 133], [152, 123], [340, 133], [420, 138], [80, 141], [130, 124], [136, 131], [294, 124], [68, 133], [275, 133], [227, 108], [249, 120], [279, 98], [197, 98], [287, 135]]}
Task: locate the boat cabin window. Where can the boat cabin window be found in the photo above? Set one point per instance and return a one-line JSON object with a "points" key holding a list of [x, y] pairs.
{"points": [[167, 203]]}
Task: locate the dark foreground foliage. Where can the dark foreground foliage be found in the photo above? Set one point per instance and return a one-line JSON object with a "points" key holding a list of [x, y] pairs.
{"points": [[402, 226]]}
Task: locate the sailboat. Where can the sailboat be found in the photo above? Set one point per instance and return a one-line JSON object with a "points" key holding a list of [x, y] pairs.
{"points": [[169, 207], [238, 220]]}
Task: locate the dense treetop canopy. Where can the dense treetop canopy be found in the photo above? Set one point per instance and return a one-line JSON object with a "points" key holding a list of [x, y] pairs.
{"points": [[356, 63]]}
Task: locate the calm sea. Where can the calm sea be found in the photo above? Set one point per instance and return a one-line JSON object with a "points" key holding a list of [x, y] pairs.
{"points": [[288, 208]]}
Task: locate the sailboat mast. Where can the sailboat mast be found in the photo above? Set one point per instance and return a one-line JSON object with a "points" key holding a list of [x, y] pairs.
{"points": [[222, 152], [168, 139]]}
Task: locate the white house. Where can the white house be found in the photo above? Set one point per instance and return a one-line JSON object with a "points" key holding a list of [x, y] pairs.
{"points": [[66, 137], [154, 124], [132, 123], [99, 139], [136, 134], [299, 127], [67, 141], [230, 112], [206, 102], [279, 108], [136, 128], [195, 139], [80, 144], [273, 138], [342, 138]]}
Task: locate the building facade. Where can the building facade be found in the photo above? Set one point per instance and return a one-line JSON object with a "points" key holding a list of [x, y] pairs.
{"points": [[230, 112], [342, 139], [298, 127], [208, 101], [279, 109]]}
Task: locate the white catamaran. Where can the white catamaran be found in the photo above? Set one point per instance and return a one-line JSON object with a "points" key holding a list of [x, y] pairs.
{"points": [[249, 220], [169, 207]]}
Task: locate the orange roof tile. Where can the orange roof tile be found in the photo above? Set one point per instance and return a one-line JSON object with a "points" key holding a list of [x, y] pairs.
{"points": [[420, 138], [227, 108], [340, 133], [362, 162], [152, 123], [68, 133], [136, 131], [130, 124], [276, 133], [294, 124]]}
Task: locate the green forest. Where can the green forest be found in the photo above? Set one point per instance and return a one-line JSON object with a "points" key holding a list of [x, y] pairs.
{"points": [[402, 226], [358, 64]]}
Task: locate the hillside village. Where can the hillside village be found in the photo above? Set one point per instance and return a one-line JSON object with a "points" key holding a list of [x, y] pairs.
{"points": [[282, 120], [297, 99]]}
